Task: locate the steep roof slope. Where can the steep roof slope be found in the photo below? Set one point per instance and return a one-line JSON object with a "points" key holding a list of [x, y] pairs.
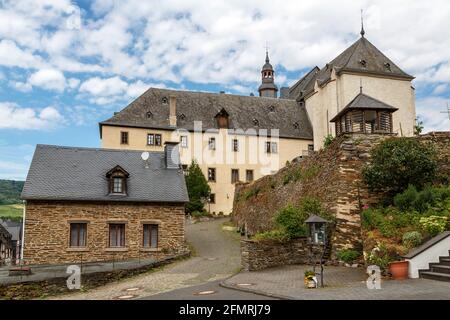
{"points": [[305, 85], [362, 57], [68, 173], [151, 110]]}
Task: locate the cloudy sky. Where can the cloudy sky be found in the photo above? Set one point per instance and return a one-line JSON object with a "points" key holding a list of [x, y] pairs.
{"points": [[66, 65]]}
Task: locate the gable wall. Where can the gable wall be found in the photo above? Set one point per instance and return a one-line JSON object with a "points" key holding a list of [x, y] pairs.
{"points": [[333, 97]]}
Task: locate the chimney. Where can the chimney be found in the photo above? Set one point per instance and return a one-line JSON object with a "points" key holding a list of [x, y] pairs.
{"points": [[172, 155], [173, 111]]}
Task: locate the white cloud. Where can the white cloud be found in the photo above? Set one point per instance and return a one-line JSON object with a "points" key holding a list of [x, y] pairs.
{"points": [[12, 116], [104, 87], [109, 90], [15, 160], [73, 83], [50, 79], [13, 56], [21, 86], [137, 88], [440, 89]]}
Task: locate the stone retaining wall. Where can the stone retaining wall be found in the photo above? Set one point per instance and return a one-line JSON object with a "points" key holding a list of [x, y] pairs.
{"points": [[338, 185], [258, 255]]}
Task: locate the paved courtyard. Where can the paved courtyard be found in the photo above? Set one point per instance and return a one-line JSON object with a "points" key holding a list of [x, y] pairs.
{"points": [[216, 257], [341, 283]]}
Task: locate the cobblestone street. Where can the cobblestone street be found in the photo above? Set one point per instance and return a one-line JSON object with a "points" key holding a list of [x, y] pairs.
{"points": [[216, 256], [341, 283]]}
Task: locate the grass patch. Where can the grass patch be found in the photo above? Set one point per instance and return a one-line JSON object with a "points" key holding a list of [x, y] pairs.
{"points": [[11, 211], [300, 174]]}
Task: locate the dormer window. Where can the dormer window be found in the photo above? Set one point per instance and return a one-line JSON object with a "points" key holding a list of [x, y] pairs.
{"points": [[149, 115], [363, 62], [296, 125], [182, 116], [388, 66], [222, 119], [117, 180], [255, 122], [272, 108], [165, 100]]}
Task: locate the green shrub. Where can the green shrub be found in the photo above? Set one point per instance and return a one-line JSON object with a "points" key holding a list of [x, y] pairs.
{"points": [[434, 225], [348, 255], [405, 200], [253, 192], [398, 163], [300, 174], [412, 239], [371, 218], [380, 256], [328, 140], [275, 235], [310, 205], [291, 220]]}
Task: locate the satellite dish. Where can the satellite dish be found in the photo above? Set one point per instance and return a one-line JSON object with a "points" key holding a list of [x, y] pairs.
{"points": [[145, 155]]}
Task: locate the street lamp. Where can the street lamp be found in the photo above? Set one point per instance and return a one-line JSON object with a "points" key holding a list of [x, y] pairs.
{"points": [[317, 236]]}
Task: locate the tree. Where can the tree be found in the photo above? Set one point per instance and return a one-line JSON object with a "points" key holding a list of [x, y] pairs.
{"points": [[328, 140], [418, 127], [398, 163], [197, 187]]}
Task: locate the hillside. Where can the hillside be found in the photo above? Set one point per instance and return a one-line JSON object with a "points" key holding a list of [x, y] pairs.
{"points": [[10, 191]]}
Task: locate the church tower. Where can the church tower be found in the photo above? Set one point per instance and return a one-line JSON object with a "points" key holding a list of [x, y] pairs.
{"points": [[267, 87]]}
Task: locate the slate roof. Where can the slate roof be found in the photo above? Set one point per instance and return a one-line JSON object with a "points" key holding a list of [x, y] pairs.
{"points": [[305, 85], [151, 110], [350, 60], [363, 101], [14, 230], [315, 219], [79, 174]]}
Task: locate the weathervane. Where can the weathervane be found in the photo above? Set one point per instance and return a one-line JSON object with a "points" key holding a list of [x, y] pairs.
{"points": [[447, 112], [362, 24]]}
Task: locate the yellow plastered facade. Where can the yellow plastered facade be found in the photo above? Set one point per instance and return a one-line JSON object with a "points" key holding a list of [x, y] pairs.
{"points": [[251, 155]]}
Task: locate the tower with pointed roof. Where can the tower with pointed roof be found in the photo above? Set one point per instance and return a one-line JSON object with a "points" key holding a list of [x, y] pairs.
{"points": [[328, 92], [268, 87]]}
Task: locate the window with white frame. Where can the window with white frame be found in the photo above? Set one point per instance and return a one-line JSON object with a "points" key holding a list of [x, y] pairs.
{"points": [[212, 143], [184, 141]]}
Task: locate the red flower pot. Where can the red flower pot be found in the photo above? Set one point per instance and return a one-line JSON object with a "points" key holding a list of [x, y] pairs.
{"points": [[399, 269]]}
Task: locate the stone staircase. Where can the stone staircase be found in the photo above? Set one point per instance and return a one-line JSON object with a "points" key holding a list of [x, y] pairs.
{"points": [[438, 271]]}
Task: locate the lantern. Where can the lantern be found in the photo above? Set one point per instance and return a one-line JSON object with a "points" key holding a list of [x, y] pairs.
{"points": [[317, 229]]}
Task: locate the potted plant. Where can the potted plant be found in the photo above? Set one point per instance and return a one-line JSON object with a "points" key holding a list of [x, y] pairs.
{"points": [[310, 279], [399, 269]]}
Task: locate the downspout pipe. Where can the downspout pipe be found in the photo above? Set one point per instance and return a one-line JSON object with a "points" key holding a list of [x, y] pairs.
{"points": [[22, 244]]}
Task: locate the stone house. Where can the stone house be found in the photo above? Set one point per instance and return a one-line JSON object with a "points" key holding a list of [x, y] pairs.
{"points": [[89, 205], [5, 246], [15, 230]]}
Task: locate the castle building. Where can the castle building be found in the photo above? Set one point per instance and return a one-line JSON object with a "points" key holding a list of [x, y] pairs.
{"points": [[242, 138]]}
